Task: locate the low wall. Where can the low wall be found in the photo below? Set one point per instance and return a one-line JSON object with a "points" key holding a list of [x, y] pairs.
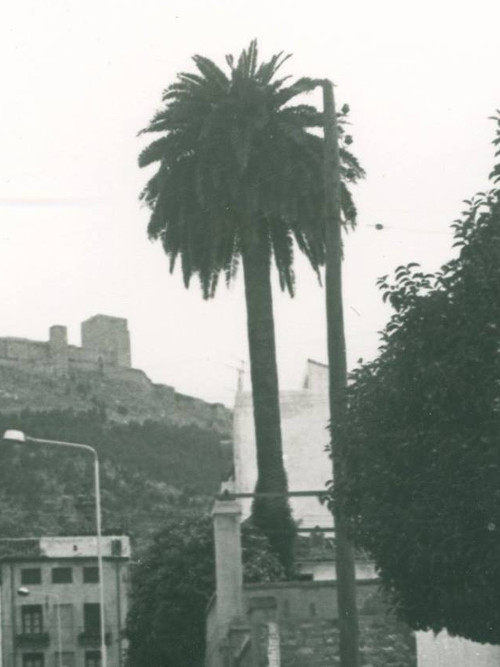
{"points": [[305, 617]]}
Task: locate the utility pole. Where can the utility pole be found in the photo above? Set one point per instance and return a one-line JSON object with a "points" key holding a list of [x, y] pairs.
{"points": [[346, 576]]}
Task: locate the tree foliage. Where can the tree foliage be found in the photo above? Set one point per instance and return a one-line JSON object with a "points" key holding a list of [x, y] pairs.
{"points": [[423, 453], [172, 586]]}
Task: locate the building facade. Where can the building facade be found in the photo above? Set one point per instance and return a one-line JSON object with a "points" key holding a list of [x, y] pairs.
{"points": [[305, 414], [304, 419], [49, 601]]}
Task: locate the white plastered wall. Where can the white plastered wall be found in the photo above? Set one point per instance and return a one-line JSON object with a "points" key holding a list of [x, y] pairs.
{"points": [[444, 651], [304, 421]]}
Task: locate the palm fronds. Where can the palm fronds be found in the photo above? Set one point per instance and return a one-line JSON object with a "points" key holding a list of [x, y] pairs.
{"points": [[235, 155]]}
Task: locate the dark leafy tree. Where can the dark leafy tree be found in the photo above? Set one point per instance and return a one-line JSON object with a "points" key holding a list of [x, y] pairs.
{"points": [[422, 489], [240, 178], [172, 586]]}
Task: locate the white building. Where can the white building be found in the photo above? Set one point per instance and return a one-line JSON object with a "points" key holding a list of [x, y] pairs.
{"points": [[305, 415], [49, 601], [444, 651], [304, 421]]}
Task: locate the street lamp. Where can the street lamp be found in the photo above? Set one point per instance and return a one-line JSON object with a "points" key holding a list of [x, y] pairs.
{"points": [[21, 437], [24, 592]]}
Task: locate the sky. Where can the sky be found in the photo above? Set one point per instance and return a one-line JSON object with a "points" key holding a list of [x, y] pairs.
{"points": [[80, 79]]}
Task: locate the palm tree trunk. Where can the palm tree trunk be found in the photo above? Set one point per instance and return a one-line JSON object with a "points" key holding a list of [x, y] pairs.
{"points": [[271, 514]]}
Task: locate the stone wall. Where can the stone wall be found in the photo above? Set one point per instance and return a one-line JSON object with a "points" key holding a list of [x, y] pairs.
{"points": [[305, 616], [297, 619], [108, 338], [105, 342]]}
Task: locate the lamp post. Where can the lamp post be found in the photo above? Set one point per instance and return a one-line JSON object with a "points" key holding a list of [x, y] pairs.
{"points": [[20, 437], [24, 592]]}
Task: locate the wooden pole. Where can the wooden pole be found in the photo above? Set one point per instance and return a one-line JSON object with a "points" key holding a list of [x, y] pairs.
{"points": [[346, 576]]}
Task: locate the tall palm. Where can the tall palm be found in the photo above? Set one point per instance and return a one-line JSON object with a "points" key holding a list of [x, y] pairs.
{"points": [[240, 176]]}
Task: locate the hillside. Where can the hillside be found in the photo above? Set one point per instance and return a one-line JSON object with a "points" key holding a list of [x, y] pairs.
{"points": [[56, 375], [161, 452], [124, 394], [149, 471]]}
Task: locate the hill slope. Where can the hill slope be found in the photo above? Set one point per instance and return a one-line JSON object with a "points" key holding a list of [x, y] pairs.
{"points": [[125, 394], [148, 472]]}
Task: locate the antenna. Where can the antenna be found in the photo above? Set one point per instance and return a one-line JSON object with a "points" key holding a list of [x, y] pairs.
{"points": [[241, 375]]}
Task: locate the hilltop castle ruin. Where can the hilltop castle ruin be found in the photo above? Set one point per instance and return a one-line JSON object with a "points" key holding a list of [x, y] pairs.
{"points": [[105, 343], [53, 375]]}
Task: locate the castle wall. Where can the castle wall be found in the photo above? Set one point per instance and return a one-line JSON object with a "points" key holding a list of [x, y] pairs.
{"points": [[54, 375], [24, 351], [105, 342], [48, 357], [82, 358]]}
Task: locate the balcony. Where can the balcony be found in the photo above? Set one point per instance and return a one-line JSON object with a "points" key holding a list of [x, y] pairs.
{"points": [[92, 638], [32, 639]]}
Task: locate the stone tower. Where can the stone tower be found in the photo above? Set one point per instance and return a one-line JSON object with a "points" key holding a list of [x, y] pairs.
{"points": [[58, 349], [108, 338]]}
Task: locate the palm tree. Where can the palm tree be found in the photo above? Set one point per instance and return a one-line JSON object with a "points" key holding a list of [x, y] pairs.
{"points": [[240, 177]]}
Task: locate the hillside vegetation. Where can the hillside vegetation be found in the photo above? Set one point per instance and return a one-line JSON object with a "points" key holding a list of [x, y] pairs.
{"points": [[125, 394], [149, 471]]}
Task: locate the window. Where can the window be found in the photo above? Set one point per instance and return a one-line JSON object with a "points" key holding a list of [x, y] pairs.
{"points": [[62, 575], [286, 608], [90, 575], [92, 659], [32, 619], [33, 660], [67, 659], [63, 614], [31, 576], [92, 617], [116, 547]]}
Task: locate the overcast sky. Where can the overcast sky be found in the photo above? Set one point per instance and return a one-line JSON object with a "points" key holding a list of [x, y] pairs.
{"points": [[81, 78]]}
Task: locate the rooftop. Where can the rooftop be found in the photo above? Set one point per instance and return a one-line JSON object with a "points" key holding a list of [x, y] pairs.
{"points": [[78, 546]]}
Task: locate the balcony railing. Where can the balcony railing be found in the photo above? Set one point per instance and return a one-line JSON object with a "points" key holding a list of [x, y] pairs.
{"points": [[93, 638], [32, 639]]}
